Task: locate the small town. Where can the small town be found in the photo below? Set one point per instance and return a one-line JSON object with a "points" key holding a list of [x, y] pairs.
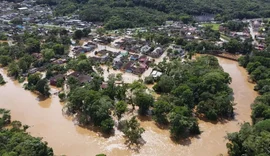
{"points": [[128, 88]]}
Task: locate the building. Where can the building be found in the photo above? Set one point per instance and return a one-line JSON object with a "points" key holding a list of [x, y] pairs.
{"points": [[53, 80]]}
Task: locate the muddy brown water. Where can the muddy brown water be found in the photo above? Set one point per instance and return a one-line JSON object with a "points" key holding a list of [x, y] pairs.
{"points": [[46, 120]]}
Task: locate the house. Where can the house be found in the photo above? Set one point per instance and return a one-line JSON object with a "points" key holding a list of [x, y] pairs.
{"points": [[134, 58], [138, 70], [157, 52], [128, 67], [256, 24], [143, 59], [32, 71], [53, 80], [60, 61], [118, 65], [156, 74], [145, 49], [117, 58], [90, 46], [104, 58], [104, 85], [81, 77]]}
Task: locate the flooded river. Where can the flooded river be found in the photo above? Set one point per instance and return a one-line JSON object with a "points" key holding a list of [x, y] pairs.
{"points": [[46, 120]]}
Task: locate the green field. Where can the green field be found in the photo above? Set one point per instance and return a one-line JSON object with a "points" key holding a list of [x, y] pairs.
{"points": [[225, 37], [214, 25]]}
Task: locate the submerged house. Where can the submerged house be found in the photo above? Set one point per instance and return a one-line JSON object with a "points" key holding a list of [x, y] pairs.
{"points": [[83, 78], [53, 80]]}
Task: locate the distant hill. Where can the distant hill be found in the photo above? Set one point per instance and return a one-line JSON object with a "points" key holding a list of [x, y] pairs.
{"points": [[132, 13]]}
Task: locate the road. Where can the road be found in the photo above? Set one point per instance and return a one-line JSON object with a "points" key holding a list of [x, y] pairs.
{"points": [[255, 42]]}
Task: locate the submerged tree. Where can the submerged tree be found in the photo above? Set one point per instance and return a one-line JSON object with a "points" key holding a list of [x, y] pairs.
{"points": [[144, 101], [120, 109], [133, 131]]}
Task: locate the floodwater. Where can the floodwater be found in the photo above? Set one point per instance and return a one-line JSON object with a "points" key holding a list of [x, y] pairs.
{"points": [[46, 120]]}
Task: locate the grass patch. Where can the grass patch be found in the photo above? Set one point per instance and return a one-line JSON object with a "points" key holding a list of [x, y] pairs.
{"points": [[214, 26], [225, 37]]}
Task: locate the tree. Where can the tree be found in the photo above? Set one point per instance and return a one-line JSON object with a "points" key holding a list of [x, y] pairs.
{"points": [[5, 60], [164, 85], [33, 80], [179, 41], [62, 96], [59, 49], [84, 66], [86, 31], [42, 87], [25, 62], [186, 19], [73, 82], [101, 31], [5, 118], [133, 131], [184, 96], [144, 101], [250, 140], [261, 108], [149, 80], [17, 21], [78, 34], [233, 46], [107, 125], [13, 70], [120, 108], [161, 110], [181, 123], [48, 54], [3, 36], [252, 66], [2, 81], [32, 45]]}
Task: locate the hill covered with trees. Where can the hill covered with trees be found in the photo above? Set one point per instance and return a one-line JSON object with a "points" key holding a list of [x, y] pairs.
{"points": [[132, 13]]}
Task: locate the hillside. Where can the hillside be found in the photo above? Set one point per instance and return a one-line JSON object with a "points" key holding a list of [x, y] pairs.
{"points": [[132, 13]]}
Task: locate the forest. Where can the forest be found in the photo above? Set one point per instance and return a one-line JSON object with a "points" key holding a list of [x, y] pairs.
{"points": [[135, 13]]}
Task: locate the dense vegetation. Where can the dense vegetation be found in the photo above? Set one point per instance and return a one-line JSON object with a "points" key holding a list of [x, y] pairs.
{"points": [[201, 83], [134, 13], [258, 67], [250, 140], [96, 105], [15, 141], [199, 86]]}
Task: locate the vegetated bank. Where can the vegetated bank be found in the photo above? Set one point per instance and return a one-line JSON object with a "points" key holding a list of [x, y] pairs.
{"points": [[16, 141], [254, 138]]}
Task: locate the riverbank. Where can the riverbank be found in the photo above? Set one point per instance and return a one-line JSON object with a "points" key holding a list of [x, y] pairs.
{"points": [[46, 120]]}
